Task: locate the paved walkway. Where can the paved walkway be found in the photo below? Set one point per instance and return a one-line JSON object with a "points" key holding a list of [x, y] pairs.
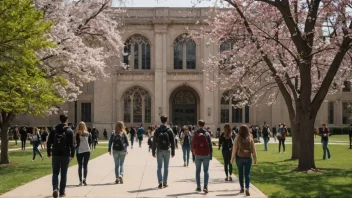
{"points": [[140, 180]]}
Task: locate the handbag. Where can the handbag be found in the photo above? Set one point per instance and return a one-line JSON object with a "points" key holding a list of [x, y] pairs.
{"points": [[34, 138]]}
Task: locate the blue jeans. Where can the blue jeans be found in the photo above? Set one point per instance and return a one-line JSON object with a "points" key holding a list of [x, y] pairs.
{"points": [[205, 160], [163, 156], [325, 148], [186, 150], [60, 166], [36, 150], [266, 140], [244, 165], [119, 158]]}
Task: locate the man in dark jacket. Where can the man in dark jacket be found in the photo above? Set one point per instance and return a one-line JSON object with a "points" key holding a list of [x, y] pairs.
{"points": [[61, 148], [265, 133], [164, 139], [203, 151]]}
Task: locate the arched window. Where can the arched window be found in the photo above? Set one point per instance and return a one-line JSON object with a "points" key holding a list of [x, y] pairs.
{"points": [[137, 106], [137, 52], [184, 52], [228, 108]]}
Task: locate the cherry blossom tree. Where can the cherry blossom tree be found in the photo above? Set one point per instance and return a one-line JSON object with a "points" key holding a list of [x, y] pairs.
{"points": [[298, 48], [88, 42]]}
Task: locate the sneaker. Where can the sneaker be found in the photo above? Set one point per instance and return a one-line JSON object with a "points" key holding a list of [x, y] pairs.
{"points": [[230, 178], [32, 161], [42, 158], [165, 185], [117, 181], [80, 184], [121, 180], [247, 192], [226, 179], [63, 195], [205, 190], [55, 194], [184, 165], [160, 186], [198, 189], [242, 191], [84, 182]]}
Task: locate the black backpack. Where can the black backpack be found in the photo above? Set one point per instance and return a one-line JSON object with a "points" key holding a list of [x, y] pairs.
{"points": [[118, 142], [265, 132], [60, 139], [163, 140]]}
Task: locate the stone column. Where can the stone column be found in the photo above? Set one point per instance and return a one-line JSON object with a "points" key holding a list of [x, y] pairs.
{"points": [[143, 110]]}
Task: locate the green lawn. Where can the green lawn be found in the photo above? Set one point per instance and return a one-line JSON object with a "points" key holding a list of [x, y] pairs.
{"points": [[12, 145], [22, 170], [272, 173], [333, 138]]}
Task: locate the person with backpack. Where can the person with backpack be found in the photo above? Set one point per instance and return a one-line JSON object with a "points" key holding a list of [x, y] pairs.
{"points": [[119, 143], [203, 153], [226, 141], [23, 134], [35, 141], [163, 141], [265, 133], [281, 136], [83, 139], [60, 147], [185, 141], [243, 150], [140, 133], [94, 138], [132, 134], [325, 133]]}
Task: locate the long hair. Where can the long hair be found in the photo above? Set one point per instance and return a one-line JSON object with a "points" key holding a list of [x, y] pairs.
{"points": [[227, 130], [81, 129], [243, 132], [120, 126]]}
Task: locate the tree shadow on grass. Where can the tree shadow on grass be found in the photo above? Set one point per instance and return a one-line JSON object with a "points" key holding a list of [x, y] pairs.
{"points": [[317, 184]]}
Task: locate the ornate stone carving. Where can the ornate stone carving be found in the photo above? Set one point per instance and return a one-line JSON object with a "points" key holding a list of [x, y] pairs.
{"points": [[133, 76], [185, 97], [185, 76]]}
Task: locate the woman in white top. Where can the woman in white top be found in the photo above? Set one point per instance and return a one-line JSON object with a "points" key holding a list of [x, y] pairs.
{"points": [[83, 139]]}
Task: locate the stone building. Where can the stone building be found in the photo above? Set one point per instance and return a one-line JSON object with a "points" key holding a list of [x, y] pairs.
{"points": [[166, 77]]}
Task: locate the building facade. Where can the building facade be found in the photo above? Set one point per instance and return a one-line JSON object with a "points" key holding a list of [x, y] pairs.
{"points": [[165, 76]]}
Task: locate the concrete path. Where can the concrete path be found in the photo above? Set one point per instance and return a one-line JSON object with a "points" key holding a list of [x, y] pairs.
{"points": [[140, 180]]}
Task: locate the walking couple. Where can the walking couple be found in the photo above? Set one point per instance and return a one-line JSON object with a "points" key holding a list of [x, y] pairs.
{"points": [[201, 148]]}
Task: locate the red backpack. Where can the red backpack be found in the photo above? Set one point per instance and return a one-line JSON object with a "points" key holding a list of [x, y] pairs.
{"points": [[201, 146]]}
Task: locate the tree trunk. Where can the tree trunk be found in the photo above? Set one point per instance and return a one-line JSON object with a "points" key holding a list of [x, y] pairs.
{"points": [[4, 143], [295, 140], [306, 140]]}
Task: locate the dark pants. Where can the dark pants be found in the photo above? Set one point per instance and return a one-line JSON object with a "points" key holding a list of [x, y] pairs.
{"points": [[95, 142], [140, 139], [16, 141], [132, 140], [283, 145], [36, 150], [23, 143], [60, 166], [228, 167], [325, 148], [350, 140], [82, 159], [244, 165]]}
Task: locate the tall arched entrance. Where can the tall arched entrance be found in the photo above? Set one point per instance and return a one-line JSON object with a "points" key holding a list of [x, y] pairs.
{"points": [[184, 106]]}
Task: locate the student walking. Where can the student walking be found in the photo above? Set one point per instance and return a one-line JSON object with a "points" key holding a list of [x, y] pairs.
{"points": [[265, 133], [16, 135], [105, 133], [163, 140], [35, 140], [118, 143], [140, 133], [350, 135], [44, 137], [132, 134], [226, 142], [203, 152], [243, 150], [95, 135], [61, 148], [281, 136], [83, 139], [324, 133], [274, 133], [151, 131], [185, 141], [23, 134]]}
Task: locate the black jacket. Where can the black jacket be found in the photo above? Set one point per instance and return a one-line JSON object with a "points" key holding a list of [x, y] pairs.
{"points": [[69, 151], [171, 138]]}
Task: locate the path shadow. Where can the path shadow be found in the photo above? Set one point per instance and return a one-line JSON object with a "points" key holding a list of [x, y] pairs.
{"points": [[77, 186], [211, 181], [143, 190], [183, 194], [227, 195]]}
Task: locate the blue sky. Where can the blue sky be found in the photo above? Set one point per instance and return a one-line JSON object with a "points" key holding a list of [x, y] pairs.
{"points": [[167, 3]]}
